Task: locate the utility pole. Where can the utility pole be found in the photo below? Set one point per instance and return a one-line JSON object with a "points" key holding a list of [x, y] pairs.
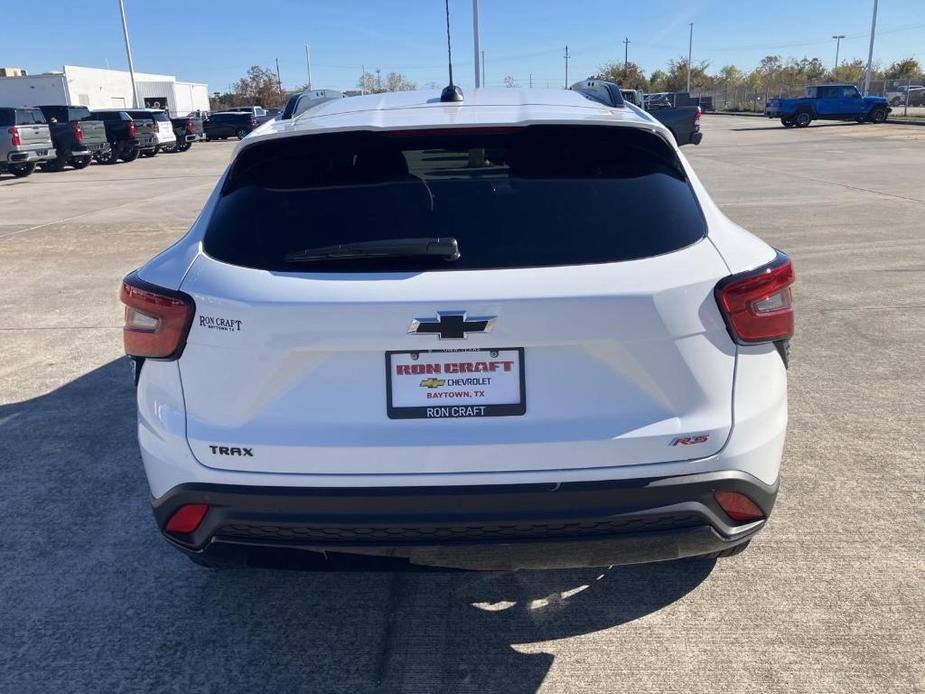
{"points": [[626, 54], [838, 38], [475, 41], [279, 82], [379, 79], [566, 67], [870, 53], [128, 53], [531, 80], [483, 67], [690, 51], [362, 80], [308, 64]]}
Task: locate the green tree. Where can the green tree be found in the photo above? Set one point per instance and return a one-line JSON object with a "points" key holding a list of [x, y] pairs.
{"points": [[627, 75], [902, 69], [676, 80], [259, 87], [852, 72], [730, 75], [658, 81], [373, 83]]}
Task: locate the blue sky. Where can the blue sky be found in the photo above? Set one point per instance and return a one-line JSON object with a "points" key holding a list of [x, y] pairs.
{"points": [[220, 39]]}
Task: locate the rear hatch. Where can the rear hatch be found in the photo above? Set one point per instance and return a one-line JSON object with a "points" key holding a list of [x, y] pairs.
{"points": [[145, 131], [583, 287], [94, 131], [33, 132]]}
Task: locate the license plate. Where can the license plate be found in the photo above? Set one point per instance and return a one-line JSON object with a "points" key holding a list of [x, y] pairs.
{"points": [[454, 384], [42, 152]]}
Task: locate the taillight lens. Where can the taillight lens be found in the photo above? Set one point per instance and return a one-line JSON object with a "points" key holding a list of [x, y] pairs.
{"points": [[131, 129], [697, 116], [757, 305], [78, 132], [157, 320], [186, 518], [14, 137], [189, 127], [738, 506]]}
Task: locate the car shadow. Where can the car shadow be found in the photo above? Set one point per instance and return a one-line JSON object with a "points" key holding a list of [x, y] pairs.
{"points": [[94, 600], [778, 126]]}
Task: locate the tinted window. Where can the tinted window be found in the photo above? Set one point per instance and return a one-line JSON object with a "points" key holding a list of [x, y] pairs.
{"points": [[852, 93], [6, 117], [79, 114], [524, 197], [29, 116], [57, 112]]}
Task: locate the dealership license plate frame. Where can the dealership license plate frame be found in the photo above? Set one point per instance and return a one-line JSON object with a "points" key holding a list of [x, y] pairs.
{"points": [[494, 410]]}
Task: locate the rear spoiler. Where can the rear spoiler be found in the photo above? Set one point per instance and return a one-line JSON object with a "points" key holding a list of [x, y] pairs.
{"points": [[606, 93], [301, 102]]}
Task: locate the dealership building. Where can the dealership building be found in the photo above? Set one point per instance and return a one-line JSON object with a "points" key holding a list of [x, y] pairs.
{"points": [[101, 88]]}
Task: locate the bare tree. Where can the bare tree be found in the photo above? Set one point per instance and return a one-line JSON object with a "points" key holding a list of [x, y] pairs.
{"points": [[372, 83]]}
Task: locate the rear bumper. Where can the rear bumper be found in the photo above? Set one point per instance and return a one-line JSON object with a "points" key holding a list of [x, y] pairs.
{"points": [[492, 527], [27, 156]]}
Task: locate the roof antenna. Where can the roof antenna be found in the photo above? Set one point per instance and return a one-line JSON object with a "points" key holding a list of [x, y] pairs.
{"points": [[451, 93]]}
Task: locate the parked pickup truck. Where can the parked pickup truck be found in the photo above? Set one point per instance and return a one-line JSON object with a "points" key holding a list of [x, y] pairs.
{"points": [[828, 102], [127, 137], [187, 129], [77, 136], [684, 122], [24, 141]]}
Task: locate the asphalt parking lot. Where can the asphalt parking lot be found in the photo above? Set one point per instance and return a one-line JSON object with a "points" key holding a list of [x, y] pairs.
{"points": [[829, 598]]}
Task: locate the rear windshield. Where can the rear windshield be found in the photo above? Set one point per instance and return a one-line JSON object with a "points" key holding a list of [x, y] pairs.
{"points": [[29, 116], [521, 197], [79, 114]]}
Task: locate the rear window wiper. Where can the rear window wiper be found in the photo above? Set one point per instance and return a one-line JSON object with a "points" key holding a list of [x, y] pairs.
{"points": [[446, 248]]}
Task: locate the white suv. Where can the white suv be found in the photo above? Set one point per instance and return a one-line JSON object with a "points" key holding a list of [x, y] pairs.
{"points": [[508, 332]]}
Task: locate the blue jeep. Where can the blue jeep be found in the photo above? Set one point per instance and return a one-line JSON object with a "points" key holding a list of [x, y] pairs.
{"points": [[828, 102]]}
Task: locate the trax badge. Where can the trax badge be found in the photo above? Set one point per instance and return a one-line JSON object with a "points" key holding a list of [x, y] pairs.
{"points": [[226, 450], [689, 440], [432, 382]]}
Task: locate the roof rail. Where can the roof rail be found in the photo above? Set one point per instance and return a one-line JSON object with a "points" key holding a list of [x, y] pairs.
{"points": [[606, 93], [299, 103]]}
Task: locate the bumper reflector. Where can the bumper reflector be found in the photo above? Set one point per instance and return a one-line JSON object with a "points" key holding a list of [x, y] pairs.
{"points": [[738, 506], [187, 518]]}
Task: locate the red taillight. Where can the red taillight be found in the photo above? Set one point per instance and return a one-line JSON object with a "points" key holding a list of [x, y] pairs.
{"points": [[14, 137], [697, 116], [186, 518], [189, 127], [131, 129], [78, 132], [757, 304], [156, 319], [738, 506]]}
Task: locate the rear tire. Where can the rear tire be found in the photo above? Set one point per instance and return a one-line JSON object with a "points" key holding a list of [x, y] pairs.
{"points": [[80, 163], [151, 152], [878, 115], [183, 145], [241, 133], [21, 170], [107, 157], [787, 123], [131, 155], [803, 119]]}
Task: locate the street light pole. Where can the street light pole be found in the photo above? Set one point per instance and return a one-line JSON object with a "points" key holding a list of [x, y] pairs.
{"points": [[838, 38], [566, 67], [870, 53], [475, 41], [626, 54], [308, 64], [128, 53], [690, 50]]}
